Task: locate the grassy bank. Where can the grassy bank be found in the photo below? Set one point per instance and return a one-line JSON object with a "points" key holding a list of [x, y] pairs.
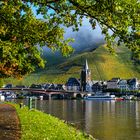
{"points": [[36, 125]]}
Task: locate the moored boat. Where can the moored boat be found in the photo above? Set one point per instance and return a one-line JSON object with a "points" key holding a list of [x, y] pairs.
{"points": [[100, 97], [119, 99]]}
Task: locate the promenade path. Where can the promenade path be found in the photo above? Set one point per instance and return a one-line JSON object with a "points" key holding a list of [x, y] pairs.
{"points": [[9, 123]]}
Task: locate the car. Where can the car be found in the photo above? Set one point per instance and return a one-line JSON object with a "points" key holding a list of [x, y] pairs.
{"points": [[8, 86], [20, 86]]}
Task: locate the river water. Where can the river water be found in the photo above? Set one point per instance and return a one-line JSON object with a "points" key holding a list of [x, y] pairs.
{"points": [[105, 120]]}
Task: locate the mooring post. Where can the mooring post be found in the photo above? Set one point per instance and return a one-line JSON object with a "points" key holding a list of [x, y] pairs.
{"points": [[30, 103], [35, 103]]}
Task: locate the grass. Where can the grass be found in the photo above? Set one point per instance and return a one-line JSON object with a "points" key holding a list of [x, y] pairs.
{"points": [[36, 125], [103, 66]]}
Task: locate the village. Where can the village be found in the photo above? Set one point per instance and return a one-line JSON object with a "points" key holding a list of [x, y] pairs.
{"points": [[86, 84]]}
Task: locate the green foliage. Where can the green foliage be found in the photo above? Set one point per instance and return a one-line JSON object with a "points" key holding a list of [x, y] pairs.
{"points": [[38, 125], [1, 82], [22, 34]]}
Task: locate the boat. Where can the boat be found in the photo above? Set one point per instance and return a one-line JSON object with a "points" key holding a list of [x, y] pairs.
{"points": [[100, 97], [119, 99]]}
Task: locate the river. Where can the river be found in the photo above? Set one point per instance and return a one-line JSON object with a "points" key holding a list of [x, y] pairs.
{"points": [[105, 120]]}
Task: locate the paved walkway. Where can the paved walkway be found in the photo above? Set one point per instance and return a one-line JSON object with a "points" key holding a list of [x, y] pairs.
{"points": [[9, 123]]}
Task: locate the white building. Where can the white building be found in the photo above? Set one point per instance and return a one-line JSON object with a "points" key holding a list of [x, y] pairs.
{"points": [[89, 86], [113, 83], [122, 85]]}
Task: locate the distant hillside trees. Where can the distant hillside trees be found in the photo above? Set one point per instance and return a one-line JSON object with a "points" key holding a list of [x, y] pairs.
{"points": [[22, 34]]}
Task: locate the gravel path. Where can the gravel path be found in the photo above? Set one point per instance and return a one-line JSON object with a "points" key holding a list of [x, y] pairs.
{"points": [[9, 123]]}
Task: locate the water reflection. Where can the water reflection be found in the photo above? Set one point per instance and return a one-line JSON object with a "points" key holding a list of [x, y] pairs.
{"points": [[105, 120], [112, 120], [70, 110]]}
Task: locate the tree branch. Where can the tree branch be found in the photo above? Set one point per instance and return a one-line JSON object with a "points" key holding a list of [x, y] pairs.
{"points": [[91, 16]]}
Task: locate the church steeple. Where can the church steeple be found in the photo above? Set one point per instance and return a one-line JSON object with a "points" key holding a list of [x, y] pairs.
{"points": [[86, 65], [85, 76]]}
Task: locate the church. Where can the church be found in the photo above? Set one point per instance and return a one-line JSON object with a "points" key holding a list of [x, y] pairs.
{"points": [[85, 78]]}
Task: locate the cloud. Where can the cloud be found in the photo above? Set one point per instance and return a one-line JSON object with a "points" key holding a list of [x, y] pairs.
{"points": [[86, 38]]}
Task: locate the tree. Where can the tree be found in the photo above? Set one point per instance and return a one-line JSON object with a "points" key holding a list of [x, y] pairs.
{"points": [[22, 35], [1, 83]]}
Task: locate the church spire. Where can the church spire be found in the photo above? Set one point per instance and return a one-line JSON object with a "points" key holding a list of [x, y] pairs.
{"points": [[86, 66], [85, 76]]}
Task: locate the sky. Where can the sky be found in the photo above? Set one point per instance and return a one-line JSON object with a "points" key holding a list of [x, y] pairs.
{"points": [[86, 36]]}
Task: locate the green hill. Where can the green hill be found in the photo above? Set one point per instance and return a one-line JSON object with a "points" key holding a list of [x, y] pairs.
{"points": [[103, 66]]}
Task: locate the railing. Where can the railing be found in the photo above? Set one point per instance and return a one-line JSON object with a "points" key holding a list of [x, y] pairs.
{"points": [[36, 90]]}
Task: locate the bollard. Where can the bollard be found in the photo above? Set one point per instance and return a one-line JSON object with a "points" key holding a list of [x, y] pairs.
{"points": [[21, 105], [30, 103], [35, 103]]}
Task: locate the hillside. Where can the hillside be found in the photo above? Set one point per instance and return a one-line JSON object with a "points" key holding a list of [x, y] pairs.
{"points": [[103, 66]]}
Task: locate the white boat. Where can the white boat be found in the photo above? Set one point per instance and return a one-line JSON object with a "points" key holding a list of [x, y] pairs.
{"points": [[100, 97]]}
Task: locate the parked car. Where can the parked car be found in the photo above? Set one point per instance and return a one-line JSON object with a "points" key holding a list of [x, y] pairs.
{"points": [[8, 86], [36, 86], [20, 86]]}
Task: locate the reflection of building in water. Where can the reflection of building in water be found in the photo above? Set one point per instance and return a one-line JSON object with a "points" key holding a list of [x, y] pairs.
{"points": [[137, 114], [112, 120], [88, 116], [72, 111], [97, 116]]}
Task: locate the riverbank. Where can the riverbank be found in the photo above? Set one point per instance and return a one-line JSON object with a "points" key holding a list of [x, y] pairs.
{"points": [[38, 125]]}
